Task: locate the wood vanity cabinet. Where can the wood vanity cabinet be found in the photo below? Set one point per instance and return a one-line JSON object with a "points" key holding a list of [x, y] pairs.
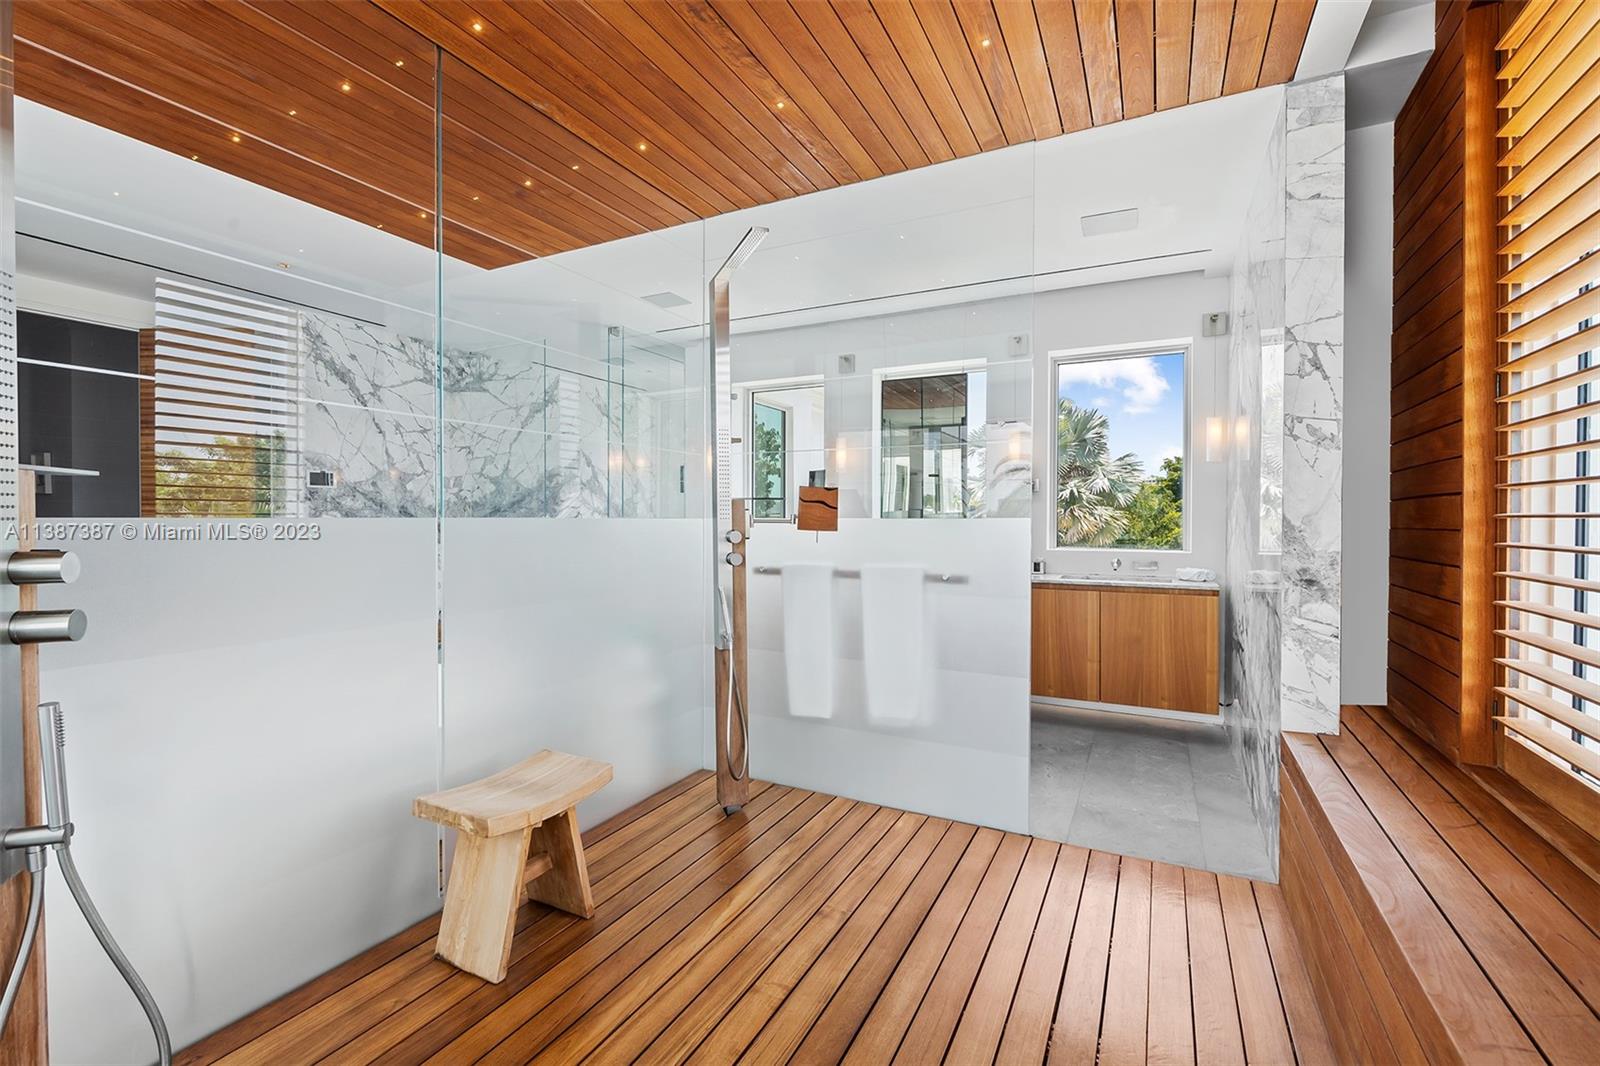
{"points": [[1138, 647]]}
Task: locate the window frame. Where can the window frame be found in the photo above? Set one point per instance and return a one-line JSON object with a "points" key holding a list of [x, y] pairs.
{"points": [[747, 394], [1057, 359], [785, 416], [875, 430]]}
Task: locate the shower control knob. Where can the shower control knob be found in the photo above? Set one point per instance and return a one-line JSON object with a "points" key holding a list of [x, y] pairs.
{"points": [[46, 627], [733, 536], [734, 559], [42, 568]]}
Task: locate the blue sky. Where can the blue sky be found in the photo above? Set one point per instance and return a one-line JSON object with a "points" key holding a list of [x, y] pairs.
{"points": [[1141, 395]]}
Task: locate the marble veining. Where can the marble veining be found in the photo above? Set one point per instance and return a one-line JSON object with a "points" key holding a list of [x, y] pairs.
{"points": [[1313, 413], [523, 435]]}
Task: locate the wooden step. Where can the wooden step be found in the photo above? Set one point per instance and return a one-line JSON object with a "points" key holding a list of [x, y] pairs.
{"points": [[1437, 924]]}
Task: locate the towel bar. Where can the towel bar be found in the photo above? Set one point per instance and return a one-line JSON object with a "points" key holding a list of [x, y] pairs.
{"points": [[943, 579]]}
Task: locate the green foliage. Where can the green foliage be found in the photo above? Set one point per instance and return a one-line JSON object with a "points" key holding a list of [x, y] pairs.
{"points": [[1104, 501], [768, 490], [1093, 489], [232, 477], [1155, 517]]}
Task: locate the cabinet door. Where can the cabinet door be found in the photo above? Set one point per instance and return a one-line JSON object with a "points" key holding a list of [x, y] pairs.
{"points": [[1160, 649], [1066, 642]]}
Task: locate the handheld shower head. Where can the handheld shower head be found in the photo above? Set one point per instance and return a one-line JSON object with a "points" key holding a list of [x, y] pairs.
{"points": [[53, 768]]}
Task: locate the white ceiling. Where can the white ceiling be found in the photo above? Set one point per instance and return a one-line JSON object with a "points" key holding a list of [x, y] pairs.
{"points": [[942, 234]]}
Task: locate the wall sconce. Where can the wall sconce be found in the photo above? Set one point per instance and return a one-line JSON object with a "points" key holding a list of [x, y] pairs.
{"points": [[1241, 436], [841, 452], [1216, 440]]}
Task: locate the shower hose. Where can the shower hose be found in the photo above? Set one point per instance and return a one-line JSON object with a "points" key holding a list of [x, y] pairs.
{"points": [[57, 834], [69, 870]]}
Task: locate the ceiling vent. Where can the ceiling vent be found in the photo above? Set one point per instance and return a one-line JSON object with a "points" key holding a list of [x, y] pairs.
{"points": [[666, 299], [1110, 222]]}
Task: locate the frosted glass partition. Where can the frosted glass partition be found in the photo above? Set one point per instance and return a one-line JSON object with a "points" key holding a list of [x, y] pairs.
{"points": [[252, 380], [572, 547], [879, 347]]}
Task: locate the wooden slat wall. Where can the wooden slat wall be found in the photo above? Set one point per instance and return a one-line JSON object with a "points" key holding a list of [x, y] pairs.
{"points": [[1428, 398]]}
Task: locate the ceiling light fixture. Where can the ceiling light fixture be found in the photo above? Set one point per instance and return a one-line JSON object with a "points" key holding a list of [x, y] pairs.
{"points": [[399, 62], [293, 112], [474, 199], [643, 147], [344, 86], [985, 42], [574, 166], [477, 27], [234, 138], [195, 158], [283, 266], [527, 183], [115, 193], [778, 105]]}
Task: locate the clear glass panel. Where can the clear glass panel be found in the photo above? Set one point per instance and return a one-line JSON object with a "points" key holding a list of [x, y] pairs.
{"points": [[227, 283], [573, 547]]}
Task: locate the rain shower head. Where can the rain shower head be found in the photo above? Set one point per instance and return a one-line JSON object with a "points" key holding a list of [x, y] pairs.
{"points": [[743, 251]]}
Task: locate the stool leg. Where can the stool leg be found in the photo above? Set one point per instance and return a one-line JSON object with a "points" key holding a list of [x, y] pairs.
{"points": [[480, 903], [566, 885]]}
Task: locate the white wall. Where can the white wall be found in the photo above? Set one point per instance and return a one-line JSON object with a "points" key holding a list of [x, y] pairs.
{"points": [[1369, 310], [1122, 314]]}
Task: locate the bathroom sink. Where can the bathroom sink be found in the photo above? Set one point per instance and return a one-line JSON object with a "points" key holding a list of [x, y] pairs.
{"points": [[1121, 579]]}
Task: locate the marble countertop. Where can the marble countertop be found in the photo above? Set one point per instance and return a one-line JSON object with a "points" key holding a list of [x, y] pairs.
{"points": [[1135, 580]]}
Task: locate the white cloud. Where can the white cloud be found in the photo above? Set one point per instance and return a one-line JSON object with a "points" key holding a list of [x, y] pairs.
{"points": [[1138, 381]]}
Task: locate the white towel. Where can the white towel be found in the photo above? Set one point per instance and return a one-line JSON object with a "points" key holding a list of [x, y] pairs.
{"points": [[1194, 573], [893, 642], [808, 638]]}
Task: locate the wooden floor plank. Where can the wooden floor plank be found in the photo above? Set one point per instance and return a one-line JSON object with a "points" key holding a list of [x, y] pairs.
{"points": [[1126, 1012], [1217, 1035], [981, 1023], [1033, 1008], [785, 998], [880, 1034], [1075, 1036], [829, 1037], [1170, 1040], [578, 980], [1312, 1045], [732, 957], [813, 929], [928, 1035], [1261, 1017]]}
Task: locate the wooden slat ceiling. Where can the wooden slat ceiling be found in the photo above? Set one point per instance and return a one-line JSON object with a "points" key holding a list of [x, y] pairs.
{"points": [[569, 123]]}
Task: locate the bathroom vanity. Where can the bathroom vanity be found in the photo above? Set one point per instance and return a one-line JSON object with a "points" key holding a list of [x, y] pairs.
{"points": [[1131, 642]]}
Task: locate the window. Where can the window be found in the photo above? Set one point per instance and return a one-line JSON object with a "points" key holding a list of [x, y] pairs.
{"points": [[1120, 435], [220, 405], [769, 461], [931, 455], [1547, 603]]}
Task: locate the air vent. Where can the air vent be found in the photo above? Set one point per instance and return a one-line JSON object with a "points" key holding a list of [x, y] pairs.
{"points": [[666, 299], [1110, 222]]}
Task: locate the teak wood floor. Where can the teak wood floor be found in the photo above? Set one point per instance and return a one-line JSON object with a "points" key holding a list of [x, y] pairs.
{"points": [[815, 929]]}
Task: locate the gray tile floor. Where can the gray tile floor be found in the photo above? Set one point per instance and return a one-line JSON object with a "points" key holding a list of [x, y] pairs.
{"points": [[1150, 787]]}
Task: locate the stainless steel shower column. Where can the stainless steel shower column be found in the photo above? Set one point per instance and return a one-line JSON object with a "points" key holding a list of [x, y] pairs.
{"points": [[732, 774], [12, 793]]}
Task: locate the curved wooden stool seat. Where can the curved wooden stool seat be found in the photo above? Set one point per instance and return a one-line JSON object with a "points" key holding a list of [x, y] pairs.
{"points": [[516, 838]]}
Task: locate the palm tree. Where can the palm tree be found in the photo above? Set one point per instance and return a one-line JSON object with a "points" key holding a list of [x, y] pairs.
{"points": [[1092, 488]]}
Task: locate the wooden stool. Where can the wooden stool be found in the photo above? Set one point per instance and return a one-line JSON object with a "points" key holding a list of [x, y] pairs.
{"points": [[516, 838]]}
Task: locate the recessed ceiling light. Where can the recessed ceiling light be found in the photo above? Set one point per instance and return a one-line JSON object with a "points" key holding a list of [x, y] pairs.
{"points": [[399, 62], [293, 112], [985, 42], [474, 199], [527, 183], [643, 147], [1105, 222], [283, 266], [114, 193], [778, 105], [234, 138], [380, 225], [422, 214], [574, 166], [300, 251], [344, 86], [194, 157], [477, 27]]}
